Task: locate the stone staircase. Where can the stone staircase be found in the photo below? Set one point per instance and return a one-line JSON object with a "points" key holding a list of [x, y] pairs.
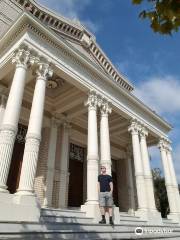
{"points": [[72, 224]]}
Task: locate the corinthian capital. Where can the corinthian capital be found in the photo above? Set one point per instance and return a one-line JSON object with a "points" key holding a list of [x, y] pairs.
{"points": [[92, 101], [166, 144], [143, 131], [44, 71], [134, 127], [22, 58], [105, 107], [163, 144]]}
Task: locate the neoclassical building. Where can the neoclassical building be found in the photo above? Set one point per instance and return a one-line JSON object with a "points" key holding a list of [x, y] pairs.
{"points": [[65, 109]]}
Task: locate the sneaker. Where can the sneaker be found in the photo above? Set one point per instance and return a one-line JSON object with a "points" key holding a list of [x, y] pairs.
{"points": [[103, 221]]}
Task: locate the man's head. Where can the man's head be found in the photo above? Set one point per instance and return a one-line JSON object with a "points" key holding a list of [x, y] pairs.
{"points": [[103, 169]]}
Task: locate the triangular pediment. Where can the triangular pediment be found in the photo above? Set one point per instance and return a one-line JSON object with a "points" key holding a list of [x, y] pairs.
{"points": [[77, 36]]}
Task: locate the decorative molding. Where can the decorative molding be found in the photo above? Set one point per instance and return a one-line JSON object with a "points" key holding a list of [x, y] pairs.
{"points": [[21, 134], [77, 153]]}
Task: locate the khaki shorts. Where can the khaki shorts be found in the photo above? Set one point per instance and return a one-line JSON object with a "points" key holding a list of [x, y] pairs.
{"points": [[105, 199]]}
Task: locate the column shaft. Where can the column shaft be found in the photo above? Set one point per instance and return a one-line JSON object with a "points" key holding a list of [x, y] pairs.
{"points": [[131, 192], [168, 182], [92, 151], [30, 158], [11, 115], [105, 139], [50, 165], [173, 179], [147, 172], [2, 108], [64, 167], [140, 184]]}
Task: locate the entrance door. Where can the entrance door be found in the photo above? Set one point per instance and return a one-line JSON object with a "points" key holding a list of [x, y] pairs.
{"points": [[16, 161], [115, 189], [75, 196]]}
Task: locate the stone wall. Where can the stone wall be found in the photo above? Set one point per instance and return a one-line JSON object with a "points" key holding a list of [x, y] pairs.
{"points": [[9, 12]]}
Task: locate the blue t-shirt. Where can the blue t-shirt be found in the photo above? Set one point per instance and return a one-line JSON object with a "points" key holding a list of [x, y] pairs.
{"points": [[104, 181]]}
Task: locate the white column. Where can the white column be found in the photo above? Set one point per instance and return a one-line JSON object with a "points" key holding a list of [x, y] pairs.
{"points": [[92, 150], [51, 164], [64, 166], [2, 107], [131, 191], [168, 180], [173, 176], [140, 184], [147, 170], [105, 152], [33, 137], [11, 115]]}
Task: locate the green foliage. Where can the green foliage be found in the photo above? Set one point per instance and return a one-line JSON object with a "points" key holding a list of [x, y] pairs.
{"points": [[164, 15], [160, 192]]}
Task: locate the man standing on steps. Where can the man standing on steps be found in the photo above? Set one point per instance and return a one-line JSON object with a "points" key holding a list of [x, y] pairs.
{"points": [[105, 189]]}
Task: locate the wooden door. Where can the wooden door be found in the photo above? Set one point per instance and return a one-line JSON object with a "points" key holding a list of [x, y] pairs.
{"points": [[75, 198], [115, 188], [76, 166]]}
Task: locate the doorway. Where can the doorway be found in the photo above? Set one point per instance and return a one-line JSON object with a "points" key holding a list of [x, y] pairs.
{"points": [[76, 166], [17, 158]]}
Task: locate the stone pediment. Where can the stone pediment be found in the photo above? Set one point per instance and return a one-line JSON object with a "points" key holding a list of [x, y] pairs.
{"points": [[76, 35]]}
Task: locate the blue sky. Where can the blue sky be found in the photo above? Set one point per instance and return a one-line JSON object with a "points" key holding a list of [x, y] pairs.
{"points": [[150, 61]]}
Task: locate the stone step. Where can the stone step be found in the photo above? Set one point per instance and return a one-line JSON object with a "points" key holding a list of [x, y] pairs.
{"points": [[65, 219], [128, 215], [71, 231], [131, 219], [169, 221], [53, 226], [62, 212], [88, 236]]}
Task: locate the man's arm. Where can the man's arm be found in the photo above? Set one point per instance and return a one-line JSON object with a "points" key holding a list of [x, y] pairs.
{"points": [[98, 186], [111, 187]]}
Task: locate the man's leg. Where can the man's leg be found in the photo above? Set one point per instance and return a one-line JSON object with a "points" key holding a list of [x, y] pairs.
{"points": [[110, 209], [102, 210], [102, 207]]}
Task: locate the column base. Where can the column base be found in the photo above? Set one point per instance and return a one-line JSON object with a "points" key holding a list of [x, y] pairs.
{"points": [[92, 210], [24, 193], [19, 208], [175, 217], [131, 211], [3, 189], [152, 217]]}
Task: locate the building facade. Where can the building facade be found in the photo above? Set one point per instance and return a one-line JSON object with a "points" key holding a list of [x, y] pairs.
{"points": [[65, 109]]}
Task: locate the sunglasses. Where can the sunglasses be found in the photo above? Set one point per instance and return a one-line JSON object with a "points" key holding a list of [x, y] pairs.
{"points": [[103, 168]]}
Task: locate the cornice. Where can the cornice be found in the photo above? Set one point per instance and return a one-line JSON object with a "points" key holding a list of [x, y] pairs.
{"points": [[77, 32]]}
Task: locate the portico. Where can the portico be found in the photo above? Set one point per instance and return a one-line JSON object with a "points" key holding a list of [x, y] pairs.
{"points": [[64, 97]]}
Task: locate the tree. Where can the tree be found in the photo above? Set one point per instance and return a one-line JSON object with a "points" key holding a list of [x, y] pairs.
{"points": [[160, 192], [164, 15]]}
